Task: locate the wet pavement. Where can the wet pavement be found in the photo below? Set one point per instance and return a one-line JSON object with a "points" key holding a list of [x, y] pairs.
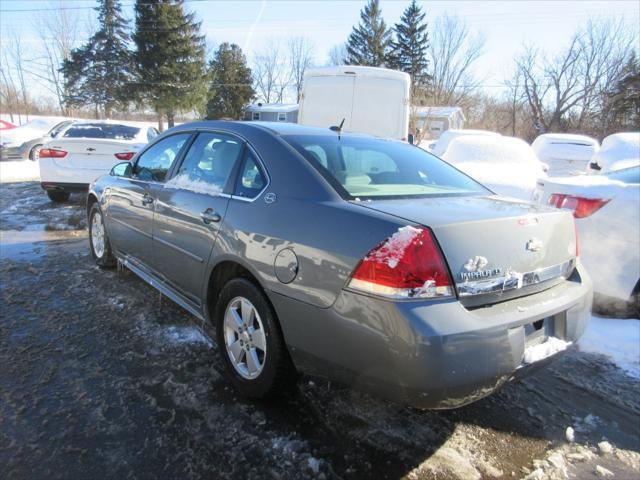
{"points": [[102, 378]]}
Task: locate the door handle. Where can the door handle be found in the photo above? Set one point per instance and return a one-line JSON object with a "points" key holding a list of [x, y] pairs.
{"points": [[146, 199], [209, 215]]}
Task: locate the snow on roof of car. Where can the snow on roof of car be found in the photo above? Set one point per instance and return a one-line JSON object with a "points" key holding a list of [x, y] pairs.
{"points": [[565, 146], [572, 138], [447, 136], [620, 150]]}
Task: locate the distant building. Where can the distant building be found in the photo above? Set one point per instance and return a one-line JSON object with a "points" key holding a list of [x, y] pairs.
{"points": [[432, 121], [272, 112]]}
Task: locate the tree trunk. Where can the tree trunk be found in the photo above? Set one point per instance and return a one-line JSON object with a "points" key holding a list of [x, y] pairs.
{"points": [[170, 118], [160, 121]]}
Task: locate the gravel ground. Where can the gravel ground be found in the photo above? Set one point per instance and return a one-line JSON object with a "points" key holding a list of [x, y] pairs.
{"points": [[103, 378]]}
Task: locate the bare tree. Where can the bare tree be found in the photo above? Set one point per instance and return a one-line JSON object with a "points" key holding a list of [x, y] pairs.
{"points": [[452, 53], [565, 91], [300, 59], [338, 55], [271, 73], [58, 31]]}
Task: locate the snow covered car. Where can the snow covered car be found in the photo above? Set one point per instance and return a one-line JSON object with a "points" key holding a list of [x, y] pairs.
{"points": [[620, 150], [564, 153], [507, 165], [366, 260], [439, 147], [606, 208], [86, 150], [29, 149]]}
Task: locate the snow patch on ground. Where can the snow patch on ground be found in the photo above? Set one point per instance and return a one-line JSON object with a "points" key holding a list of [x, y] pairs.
{"points": [[617, 339], [19, 171], [186, 334]]}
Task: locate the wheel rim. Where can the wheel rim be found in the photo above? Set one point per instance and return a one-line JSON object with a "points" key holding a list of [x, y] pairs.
{"points": [[245, 338], [97, 234]]}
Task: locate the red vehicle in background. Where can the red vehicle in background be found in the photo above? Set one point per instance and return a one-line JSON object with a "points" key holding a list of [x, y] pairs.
{"points": [[4, 125]]}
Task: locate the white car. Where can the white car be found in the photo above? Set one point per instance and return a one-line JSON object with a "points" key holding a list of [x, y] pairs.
{"points": [[85, 151], [618, 151], [439, 147], [606, 208], [565, 153], [507, 165]]}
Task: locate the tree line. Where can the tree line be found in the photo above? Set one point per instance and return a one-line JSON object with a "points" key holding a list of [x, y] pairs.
{"points": [[161, 63]]}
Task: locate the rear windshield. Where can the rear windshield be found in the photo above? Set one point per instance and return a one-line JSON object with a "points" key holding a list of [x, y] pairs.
{"points": [[101, 130], [361, 167]]}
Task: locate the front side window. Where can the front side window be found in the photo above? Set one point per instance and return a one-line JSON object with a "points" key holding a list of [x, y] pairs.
{"points": [[252, 178], [208, 164], [363, 167], [154, 163]]}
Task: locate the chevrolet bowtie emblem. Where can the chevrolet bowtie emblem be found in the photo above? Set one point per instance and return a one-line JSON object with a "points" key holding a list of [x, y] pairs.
{"points": [[534, 245]]}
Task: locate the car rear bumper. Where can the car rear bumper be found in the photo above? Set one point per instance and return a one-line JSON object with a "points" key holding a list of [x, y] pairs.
{"points": [[14, 153], [431, 354], [65, 187]]}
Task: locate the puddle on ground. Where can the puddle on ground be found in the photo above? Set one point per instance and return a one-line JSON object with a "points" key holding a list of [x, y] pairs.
{"points": [[32, 244]]}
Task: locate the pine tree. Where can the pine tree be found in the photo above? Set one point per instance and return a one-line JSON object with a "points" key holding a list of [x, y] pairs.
{"points": [[230, 89], [369, 42], [624, 97], [409, 48], [170, 57], [99, 72]]}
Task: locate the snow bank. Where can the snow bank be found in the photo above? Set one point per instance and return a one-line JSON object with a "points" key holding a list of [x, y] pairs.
{"points": [[19, 171], [448, 136], [617, 339], [566, 154], [620, 150], [507, 165]]}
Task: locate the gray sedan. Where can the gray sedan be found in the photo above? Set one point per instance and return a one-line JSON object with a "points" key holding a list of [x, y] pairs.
{"points": [[368, 261]]}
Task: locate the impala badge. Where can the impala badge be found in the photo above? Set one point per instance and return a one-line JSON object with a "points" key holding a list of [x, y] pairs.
{"points": [[534, 245]]}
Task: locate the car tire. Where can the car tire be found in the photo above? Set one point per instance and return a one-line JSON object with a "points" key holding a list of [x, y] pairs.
{"points": [[33, 153], [258, 365], [58, 196], [98, 239]]}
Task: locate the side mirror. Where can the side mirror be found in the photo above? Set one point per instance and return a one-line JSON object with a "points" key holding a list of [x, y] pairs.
{"points": [[123, 169], [410, 138]]}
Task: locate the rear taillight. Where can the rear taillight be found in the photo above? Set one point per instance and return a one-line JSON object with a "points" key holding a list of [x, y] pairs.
{"points": [[51, 153], [581, 207], [125, 155], [409, 264]]}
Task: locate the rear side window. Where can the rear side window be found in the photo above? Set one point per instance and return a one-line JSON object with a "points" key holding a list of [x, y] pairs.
{"points": [[208, 164], [364, 167], [154, 163], [251, 179], [102, 130]]}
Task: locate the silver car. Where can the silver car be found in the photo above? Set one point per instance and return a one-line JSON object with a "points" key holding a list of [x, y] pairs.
{"points": [[368, 261], [29, 150]]}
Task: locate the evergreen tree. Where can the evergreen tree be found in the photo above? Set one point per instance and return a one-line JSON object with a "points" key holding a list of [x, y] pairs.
{"points": [[170, 57], [230, 89], [409, 48], [624, 97], [99, 73], [369, 42]]}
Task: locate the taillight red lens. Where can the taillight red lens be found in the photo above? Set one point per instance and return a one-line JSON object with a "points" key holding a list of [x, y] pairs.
{"points": [[409, 264], [125, 155], [581, 207], [51, 153]]}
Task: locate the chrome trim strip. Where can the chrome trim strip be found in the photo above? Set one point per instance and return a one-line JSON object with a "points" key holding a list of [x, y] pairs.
{"points": [[162, 288], [512, 280]]}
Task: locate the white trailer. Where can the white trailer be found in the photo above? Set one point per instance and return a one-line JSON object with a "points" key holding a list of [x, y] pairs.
{"points": [[370, 100]]}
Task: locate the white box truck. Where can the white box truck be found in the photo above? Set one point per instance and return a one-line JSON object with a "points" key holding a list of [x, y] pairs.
{"points": [[370, 100]]}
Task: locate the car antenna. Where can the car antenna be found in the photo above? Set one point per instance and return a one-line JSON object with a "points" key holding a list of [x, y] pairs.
{"points": [[337, 128]]}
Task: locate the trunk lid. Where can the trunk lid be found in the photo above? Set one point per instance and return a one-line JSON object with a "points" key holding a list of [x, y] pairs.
{"points": [[495, 248], [91, 154]]}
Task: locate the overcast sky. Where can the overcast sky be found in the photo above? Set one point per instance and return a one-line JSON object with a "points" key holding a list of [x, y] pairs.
{"points": [[506, 25]]}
